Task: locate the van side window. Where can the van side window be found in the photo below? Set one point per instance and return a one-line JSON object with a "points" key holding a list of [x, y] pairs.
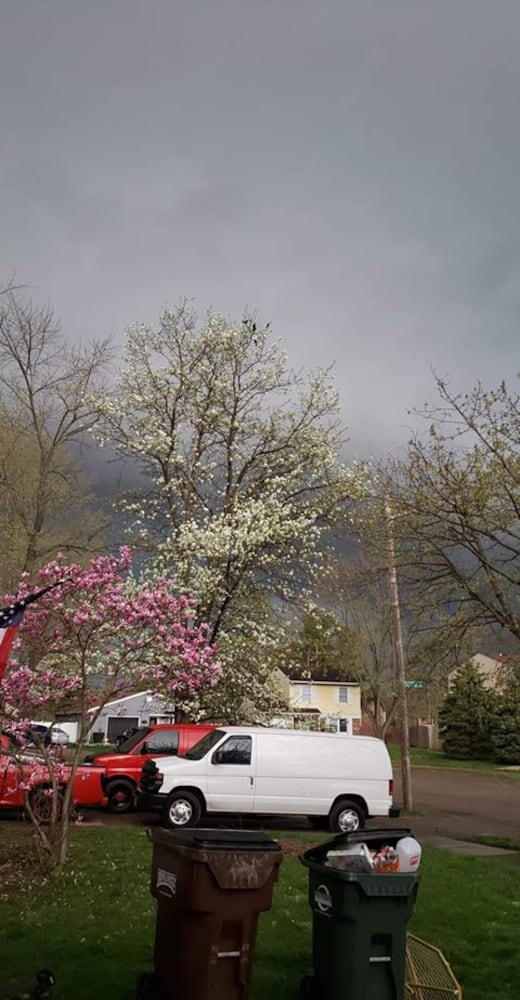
{"points": [[236, 750], [163, 742]]}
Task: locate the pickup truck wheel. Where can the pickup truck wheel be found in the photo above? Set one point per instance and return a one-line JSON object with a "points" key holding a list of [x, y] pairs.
{"points": [[40, 802], [182, 809], [346, 817], [121, 796]]}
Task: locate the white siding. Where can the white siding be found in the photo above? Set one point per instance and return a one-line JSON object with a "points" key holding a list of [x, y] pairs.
{"points": [[138, 706]]}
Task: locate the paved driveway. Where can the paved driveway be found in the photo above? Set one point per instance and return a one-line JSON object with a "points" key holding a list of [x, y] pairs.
{"points": [[463, 803]]}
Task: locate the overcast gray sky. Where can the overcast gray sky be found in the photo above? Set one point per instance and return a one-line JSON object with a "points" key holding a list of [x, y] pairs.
{"points": [[349, 167]]}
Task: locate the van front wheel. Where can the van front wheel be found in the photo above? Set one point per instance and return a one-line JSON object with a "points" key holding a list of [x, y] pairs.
{"points": [[346, 817], [182, 809]]}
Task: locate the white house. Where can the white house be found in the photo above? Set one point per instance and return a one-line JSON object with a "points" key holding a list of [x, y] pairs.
{"points": [[140, 709]]}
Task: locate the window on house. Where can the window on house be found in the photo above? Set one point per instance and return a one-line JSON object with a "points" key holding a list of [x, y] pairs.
{"points": [[343, 694], [305, 692]]}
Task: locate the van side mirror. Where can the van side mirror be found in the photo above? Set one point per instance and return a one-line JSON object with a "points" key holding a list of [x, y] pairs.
{"points": [[218, 757], [144, 748]]}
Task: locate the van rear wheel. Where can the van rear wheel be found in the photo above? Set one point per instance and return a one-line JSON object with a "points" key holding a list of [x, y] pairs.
{"points": [[346, 816]]}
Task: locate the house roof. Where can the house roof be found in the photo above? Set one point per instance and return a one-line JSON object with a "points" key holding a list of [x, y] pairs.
{"points": [[495, 657], [117, 701], [93, 698], [295, 672], [496, 661]]}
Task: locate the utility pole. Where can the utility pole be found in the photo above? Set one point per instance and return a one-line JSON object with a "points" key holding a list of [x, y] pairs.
{"points": [[399, 665]]}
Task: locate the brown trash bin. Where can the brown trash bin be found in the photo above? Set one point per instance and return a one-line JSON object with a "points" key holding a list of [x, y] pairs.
{"points": [[210, 886]]}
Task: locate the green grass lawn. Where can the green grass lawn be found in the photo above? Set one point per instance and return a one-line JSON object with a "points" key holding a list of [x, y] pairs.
{"points": [[506, 843], [94, 928], [436, 758]]}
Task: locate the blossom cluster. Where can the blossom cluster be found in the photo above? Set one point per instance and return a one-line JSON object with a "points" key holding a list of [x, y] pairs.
{"points": [[102, 620]]}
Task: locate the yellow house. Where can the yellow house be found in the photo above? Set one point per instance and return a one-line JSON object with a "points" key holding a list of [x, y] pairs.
{"points": [[494, 670], [332, 705]]}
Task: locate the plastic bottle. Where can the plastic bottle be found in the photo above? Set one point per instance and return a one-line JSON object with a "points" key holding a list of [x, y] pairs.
{"points": [[409, 853]]}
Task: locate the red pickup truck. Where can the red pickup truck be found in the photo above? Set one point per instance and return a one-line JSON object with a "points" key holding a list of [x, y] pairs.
{"points": [[123, 768], [24, 777]]}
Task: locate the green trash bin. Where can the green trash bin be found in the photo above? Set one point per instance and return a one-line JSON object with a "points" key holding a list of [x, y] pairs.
{"points": [[359, 924]]}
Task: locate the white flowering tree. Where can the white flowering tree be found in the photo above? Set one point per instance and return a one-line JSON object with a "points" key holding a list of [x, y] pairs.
{"points": [[239, 456]]}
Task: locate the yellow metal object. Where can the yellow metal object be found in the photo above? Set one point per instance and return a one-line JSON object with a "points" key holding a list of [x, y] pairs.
{"points": [[428, 975]]}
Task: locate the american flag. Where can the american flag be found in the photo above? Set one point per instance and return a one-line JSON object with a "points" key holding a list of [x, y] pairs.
{"points": [[10, 619]]}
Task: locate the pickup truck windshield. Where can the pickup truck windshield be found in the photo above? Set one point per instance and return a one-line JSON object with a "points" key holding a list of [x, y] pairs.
{"points": [[130, 743], [204, 745]]}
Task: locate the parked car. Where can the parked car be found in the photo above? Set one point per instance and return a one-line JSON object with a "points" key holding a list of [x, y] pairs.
{"points": [[273, 772], [123, 767], [24, 778], [39, 732]]}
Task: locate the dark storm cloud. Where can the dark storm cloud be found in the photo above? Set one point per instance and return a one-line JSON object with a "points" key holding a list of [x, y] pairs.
{"points": [[350, 168]]}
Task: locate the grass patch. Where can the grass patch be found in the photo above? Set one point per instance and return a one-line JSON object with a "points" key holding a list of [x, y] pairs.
{"points": [[20, 868], [94, 927], [506, 843], [436, 758]]}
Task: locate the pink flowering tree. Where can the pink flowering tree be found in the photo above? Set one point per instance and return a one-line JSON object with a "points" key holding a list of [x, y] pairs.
{"points": [[101, 621]]}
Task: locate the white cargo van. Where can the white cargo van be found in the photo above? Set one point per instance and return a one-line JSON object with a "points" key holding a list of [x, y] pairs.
{"points": [[273, 772]]}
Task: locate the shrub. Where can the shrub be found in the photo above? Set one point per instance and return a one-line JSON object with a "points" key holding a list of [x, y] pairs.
{"points": [[506, 730], [467, 717]]}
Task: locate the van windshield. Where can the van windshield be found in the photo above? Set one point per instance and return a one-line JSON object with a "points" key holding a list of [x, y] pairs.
{"points": [[204, 745]]}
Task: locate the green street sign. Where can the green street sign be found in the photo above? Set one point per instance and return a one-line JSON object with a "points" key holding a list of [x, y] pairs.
{"points": [[414, 684]]}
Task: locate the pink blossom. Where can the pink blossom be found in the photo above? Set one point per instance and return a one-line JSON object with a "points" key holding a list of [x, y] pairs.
{"points": [[101, 621]]}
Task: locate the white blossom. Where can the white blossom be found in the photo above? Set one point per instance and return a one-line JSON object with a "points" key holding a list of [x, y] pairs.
{"points": [[243, 477]]}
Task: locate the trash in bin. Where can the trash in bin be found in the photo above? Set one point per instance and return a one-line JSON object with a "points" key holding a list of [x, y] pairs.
{"points": [[210, 886], [405, 856], [359, 920], [356, 858]]}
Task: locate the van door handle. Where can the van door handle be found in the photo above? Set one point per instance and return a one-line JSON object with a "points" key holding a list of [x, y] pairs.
{"points": [[251, 782]]}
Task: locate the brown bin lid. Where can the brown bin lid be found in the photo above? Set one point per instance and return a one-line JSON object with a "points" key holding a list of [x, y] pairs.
{"points": [[237, 859], [215, 840]]}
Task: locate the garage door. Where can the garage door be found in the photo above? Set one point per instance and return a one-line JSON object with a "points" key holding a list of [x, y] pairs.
{"points": [[117, 725]]}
